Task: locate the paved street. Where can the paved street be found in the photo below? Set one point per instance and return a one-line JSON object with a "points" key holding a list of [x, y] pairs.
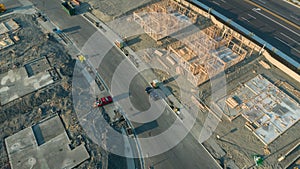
{"points": [[76, 27], [263, 23], [188, 153], [129, 93]]}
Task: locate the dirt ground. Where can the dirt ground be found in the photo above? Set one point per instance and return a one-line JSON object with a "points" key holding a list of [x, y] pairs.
{"points": [[54, 98], [239, 143], [107, 10], [236, 140]]}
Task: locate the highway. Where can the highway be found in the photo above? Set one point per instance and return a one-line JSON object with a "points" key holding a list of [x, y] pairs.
{"points": [[282, 8], [278, 25], [188, 153]]}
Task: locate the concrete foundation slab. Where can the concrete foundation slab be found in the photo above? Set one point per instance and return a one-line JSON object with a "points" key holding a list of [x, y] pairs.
{"points": [[18, 82], [266, 107], [44, 145]]}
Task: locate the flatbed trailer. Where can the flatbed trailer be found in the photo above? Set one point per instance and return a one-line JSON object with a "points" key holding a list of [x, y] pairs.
{"points": [[70, 6]]}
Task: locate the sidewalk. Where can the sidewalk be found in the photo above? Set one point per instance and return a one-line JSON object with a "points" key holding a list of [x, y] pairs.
{"points": [[128, 151], [110, 35]]}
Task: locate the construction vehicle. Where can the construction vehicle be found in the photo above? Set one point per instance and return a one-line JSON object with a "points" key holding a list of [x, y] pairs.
{"points": [[81, 58], [155, 84], [151, 90], [2, 8], [119, 43], [71, 6]]}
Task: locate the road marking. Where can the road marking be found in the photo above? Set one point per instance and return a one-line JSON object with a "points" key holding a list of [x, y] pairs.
{"points": [[288, 1], [262, 1], [255, 10], [287, 44], [294, 17], [274, 14], [251, 16], [216, 3], [290, 38], [245, 19]]}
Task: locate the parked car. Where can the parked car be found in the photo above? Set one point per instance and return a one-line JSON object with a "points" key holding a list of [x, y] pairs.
{"points": [[104, 101]]}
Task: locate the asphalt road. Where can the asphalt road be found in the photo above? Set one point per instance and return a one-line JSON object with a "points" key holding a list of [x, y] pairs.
{"points": [[286, 10], [265, 23], [76, 27], [188, 153]]}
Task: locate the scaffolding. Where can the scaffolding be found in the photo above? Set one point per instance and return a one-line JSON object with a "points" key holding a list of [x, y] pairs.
{"points": [[164, 18], [204, 53]]}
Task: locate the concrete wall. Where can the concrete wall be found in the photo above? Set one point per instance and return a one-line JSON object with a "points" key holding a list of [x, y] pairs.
{"points": [[282, 67]]}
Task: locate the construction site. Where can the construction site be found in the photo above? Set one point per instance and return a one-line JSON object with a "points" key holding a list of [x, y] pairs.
{"points": [[164, 18], [261, 110], [203, 52], [21, 81], [268, 110], [44, 145], [35, 74], [260, 117], [7, 31]]}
